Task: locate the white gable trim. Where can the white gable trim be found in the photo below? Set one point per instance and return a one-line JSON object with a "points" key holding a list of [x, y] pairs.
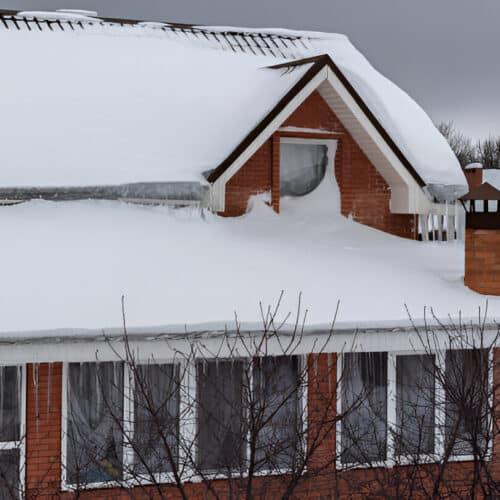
{"points": [[407, 196]]}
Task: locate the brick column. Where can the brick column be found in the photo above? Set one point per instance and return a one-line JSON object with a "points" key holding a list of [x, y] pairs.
{"points": [[482, 260], [275, 172], [43, 430], [321, 401]]}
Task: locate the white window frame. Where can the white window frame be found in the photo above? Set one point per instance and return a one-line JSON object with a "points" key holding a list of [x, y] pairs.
{"points": [[187, 426], [439, 414], [331, 151], [21, 444]]}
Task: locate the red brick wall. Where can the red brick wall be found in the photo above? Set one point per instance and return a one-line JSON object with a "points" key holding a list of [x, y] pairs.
{"points": [[364, 194], [43, 429], [44, 391], [482, 260], [253, 178]]}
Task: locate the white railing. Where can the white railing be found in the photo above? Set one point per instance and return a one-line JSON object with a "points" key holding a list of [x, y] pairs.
{"points": [[444, 224]]}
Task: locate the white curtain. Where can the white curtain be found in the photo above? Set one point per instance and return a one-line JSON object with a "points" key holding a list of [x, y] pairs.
{"points": [[364, 405], [277, 412], [415, 405], [302, 168], [156, 417], [95, 412]]}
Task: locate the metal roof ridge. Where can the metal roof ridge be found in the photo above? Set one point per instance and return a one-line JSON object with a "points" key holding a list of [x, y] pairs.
{"points": [[144, 23]]}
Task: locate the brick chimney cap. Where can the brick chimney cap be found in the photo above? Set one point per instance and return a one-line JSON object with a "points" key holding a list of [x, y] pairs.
{"points": [[473, 166]]}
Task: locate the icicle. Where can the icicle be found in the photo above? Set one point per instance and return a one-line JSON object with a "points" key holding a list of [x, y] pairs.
{"points": [[98, 390], [315, 367]]}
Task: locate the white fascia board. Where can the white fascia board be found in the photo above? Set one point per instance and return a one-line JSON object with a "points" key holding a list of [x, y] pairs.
{"points": [[218, 188], [243, 345], [407, 195]]}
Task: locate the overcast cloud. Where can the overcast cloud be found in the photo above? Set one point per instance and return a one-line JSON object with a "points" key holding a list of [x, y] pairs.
{"points": [[445, 53]]}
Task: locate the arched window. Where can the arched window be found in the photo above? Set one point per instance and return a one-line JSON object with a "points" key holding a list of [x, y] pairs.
{"points": [[302, 167]]}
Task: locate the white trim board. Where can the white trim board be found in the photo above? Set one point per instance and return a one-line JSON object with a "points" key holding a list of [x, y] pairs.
{"points": [[228, 345]]}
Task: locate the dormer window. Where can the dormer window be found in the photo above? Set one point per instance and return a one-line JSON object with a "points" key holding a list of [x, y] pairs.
{"points": [[302, 166]]}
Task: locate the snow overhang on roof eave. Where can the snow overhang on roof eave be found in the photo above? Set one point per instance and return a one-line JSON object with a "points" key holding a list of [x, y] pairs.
{"points": [[407, 193]]}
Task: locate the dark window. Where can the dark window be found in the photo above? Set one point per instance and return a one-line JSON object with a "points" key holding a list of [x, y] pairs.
{"points": [[467, 390], [10, 403], [277, 416], [415, 392], [10, 430], [156, 418], [9, 474], [220, 416]]}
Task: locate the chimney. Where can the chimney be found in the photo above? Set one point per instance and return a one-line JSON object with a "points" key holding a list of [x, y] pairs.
{"points": [[474, 175], [482, 239]]}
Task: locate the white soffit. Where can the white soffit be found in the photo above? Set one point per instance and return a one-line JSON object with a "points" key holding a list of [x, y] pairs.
{"points": [[374, 146]]}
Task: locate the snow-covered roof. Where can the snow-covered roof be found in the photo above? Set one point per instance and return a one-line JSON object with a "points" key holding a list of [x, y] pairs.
{"points": [[492, 176], [87, 101], [66, 265]]}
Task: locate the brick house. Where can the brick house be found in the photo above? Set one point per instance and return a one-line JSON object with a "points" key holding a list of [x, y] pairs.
{"points": [[199, 171]]}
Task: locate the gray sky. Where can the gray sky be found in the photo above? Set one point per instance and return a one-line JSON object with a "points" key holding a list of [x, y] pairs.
{"points": [[445, 53]]}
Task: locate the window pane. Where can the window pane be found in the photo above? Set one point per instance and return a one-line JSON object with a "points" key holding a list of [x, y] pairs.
{"points": [[277, 413], [95, 412], [156, 418], [302, 168], [467, 390], [414, 405], [364, 405], [10, 404], [221, 438], [9, 474]]}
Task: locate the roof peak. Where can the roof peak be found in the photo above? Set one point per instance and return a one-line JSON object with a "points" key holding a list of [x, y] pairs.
{"points": [[78, 15]]}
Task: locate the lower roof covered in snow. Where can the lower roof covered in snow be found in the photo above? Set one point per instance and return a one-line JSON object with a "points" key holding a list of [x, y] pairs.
{"points": [[87, 102], [66, 265]]}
